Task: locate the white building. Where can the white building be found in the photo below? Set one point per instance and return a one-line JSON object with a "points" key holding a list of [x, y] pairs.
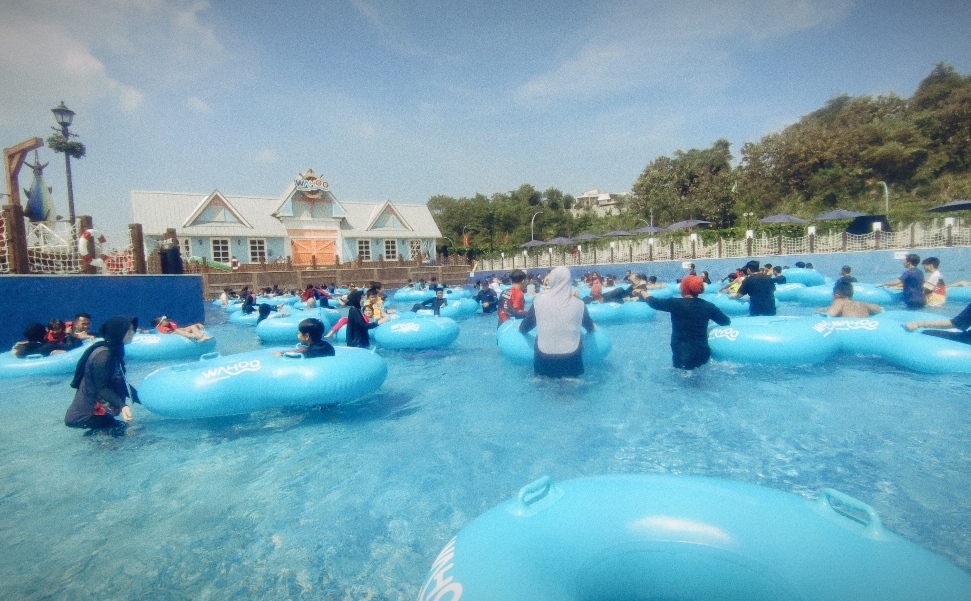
{"points": [[601, 203], [306, 223]]}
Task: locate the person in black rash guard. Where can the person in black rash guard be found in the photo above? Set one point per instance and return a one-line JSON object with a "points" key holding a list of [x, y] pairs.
{"points": [[435, 303], [310, 333], [689, 322], [487, 298], [760, 290], [962, 322], [357, 328], [100, 380]]}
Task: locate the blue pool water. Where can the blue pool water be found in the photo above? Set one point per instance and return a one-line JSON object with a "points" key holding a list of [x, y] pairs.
{"points": [[355, 501]]}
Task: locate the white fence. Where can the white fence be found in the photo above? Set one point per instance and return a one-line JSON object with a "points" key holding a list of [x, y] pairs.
{"points": [[692, 247]]}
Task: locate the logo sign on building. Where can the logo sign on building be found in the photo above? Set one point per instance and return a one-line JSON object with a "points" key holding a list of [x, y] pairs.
{"points": [[312, 184]]}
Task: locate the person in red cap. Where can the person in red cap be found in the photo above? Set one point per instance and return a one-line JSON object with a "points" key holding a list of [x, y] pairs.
{"points": [[689, 322]]}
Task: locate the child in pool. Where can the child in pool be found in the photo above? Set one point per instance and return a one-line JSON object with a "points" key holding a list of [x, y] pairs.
{"points": [[310, 332]]}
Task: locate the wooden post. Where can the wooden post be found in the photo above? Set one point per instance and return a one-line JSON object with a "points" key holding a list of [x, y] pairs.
{"points": [[812, 243], [779, 245], [138, 263], [913, 242], [845, 238], [748, 246], [16, 239], [719, 247], [949, 241], [876, 239]]}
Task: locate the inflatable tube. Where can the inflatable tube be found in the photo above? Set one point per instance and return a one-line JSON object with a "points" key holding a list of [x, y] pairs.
{"points": [[801, 275], [60, 364], [456, 293], [520, 348], [959, 294], [728, 305], [822, 296], [776, 340], [625, 312], [681, 537], [239, 318], [412, 295], [283, 328], [788, 293], [460, 307], [166, 347], [259, 380], [415, 331], [810, 340]]}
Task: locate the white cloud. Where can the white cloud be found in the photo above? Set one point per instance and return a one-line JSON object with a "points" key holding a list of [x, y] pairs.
{"points": [[105, 50], [265, 157], [199, 105], [651, 42]]}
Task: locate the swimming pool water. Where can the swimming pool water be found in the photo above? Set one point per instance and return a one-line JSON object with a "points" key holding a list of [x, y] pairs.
{"points": [[355, 501]]}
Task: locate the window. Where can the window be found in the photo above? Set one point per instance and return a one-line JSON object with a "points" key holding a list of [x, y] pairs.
{"points": [[364, 250], [390, 250], [415, 247], [220, 250], [257, 250]]}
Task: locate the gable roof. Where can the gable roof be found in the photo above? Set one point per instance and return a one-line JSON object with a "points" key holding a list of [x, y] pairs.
{"points": [[158, 211], [416, 221], [215, 199]]}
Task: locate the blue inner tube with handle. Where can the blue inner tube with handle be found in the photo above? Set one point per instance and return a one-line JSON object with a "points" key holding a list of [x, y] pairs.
{"points": [[656, 536]]}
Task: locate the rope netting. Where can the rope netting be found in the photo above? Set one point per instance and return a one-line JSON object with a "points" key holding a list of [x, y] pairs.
{"points": [[4, 252]]}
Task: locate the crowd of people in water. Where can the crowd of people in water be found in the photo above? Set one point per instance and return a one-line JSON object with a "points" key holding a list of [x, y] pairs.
{"points": [[551, 304]]}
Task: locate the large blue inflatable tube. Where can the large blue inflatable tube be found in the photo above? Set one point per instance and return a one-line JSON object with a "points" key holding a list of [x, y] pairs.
{"points": [[166, 347], [784, 340], [30, 366], [801, 275], [686, 538], [282, 329], [259, 380], [822, 296], [415, 331], [521, 348], [623, 312]]}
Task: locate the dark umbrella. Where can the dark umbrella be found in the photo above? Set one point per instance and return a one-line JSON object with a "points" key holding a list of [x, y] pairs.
{"points": [[585, 237], [954, 205], [560, 241], [616, 233], [838, 214], [532, 243], [649, 229], [686, 223], [782, 218]]}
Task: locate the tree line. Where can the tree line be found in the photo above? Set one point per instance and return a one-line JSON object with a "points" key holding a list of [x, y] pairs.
{"points": [[853, 153]]}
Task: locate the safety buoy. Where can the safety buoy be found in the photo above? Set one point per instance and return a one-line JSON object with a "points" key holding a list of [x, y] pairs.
{"points": [[90, 244]]}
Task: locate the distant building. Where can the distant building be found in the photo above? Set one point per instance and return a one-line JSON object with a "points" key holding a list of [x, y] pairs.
{"points": [[601, 203], [306, 223]]}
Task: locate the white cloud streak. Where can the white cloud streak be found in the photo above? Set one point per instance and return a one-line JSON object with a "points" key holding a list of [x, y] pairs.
{"points": [[651, 42], [111, 51]]}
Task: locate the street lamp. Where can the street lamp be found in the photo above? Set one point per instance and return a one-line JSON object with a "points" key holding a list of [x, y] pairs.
{"points": [[886, 196], [531, 222], [64, 117]]}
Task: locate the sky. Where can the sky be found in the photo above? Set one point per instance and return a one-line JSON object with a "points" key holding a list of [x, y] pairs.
{"points": [[406, 100]]}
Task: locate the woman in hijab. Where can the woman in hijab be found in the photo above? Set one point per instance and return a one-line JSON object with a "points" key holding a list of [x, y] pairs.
{"points": [[558, 316], [689, 322], [100, 379], [357, 326]]}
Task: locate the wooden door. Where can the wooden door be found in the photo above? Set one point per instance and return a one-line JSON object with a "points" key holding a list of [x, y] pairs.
{"points": [[306, 249]]}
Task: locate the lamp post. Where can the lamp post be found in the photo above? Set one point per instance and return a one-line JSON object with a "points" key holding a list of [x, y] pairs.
{"points": [[886, 196], [531, 222], [64, 117]]}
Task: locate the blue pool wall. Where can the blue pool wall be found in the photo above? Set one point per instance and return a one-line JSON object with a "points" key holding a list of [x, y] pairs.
{"points": [[30, 298], [870, 267]]}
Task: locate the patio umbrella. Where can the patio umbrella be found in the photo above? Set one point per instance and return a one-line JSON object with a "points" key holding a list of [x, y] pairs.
{"points": [[954, 205], [782, 218], [616, 233], [585, 237], [686, 224], [649, 229], [532, 244], [838, 214], [560, 241]]}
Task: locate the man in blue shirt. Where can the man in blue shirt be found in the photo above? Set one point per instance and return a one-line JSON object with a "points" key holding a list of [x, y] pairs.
{"points": [[911, 282]]}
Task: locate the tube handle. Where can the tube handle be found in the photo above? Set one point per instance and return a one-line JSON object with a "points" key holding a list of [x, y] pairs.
{"points": [[853, 509], [535, 497]]}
